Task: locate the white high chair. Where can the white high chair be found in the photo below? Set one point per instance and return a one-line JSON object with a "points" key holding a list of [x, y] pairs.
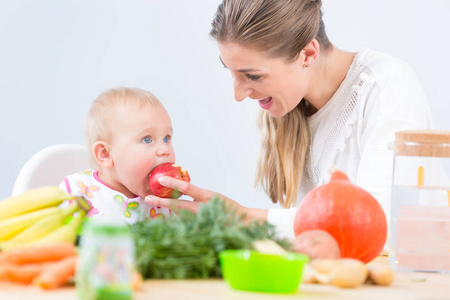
{"points": [[50, 165]]}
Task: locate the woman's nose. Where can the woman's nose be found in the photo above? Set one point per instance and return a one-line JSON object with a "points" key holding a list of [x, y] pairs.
{"points": [[241, 91]]}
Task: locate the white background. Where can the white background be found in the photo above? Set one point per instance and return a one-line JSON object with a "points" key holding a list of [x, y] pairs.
{"points": [[57, 56]]}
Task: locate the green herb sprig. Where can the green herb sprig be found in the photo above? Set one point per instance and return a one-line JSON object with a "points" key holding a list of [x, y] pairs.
{"points": [[187, 245]]}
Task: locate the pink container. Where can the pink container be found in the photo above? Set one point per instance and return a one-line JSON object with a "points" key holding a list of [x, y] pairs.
{"points": [[420, 215]]}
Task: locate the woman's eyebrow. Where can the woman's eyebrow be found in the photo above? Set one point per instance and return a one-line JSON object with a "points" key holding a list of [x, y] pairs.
{"points": [[241, 70], [220, 58]]}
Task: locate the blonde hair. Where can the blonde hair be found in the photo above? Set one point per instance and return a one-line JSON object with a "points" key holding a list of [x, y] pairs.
{"points": [[99, 122], [280, 28]]}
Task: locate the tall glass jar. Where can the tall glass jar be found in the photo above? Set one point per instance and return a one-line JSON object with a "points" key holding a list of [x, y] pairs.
{"points": [[107, 261], [420, 215]]}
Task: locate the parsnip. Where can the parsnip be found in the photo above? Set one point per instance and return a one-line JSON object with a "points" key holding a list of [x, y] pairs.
{"points": [[268, 246], [309, 274]]}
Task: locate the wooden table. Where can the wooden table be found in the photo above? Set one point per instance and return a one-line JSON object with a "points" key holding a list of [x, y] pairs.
{"points": [[406, 285]]}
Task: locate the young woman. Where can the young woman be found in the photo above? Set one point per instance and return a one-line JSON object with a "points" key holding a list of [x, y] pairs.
{"points": [[321, 106]]}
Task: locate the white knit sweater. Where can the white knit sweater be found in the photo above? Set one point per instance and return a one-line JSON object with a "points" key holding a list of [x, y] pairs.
{"points": [[354, 130]]}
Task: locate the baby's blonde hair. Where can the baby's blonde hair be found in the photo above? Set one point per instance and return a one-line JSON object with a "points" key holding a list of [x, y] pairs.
{"points": [[98, 124]]}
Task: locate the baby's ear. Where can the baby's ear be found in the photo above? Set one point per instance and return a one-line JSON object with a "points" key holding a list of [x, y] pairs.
{"points": [[101, 151]]}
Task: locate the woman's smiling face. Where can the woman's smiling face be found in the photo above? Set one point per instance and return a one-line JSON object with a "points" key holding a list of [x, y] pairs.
{"points": [[278, 85]]}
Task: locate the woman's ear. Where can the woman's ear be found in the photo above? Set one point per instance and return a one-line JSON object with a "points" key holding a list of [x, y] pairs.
{"points": [[102, 154], [309, 54]]}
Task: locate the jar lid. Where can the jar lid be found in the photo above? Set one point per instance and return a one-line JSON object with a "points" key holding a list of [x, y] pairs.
{"points": [[106, 228], [434, 143]]}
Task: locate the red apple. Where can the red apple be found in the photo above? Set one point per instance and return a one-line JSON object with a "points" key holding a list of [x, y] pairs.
{"points": [[167, 169]]}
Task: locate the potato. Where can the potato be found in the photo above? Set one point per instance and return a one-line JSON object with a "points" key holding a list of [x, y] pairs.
{"points": [[343, 272], [380, 274], [325, 266], [317, 243], [349, 274]]}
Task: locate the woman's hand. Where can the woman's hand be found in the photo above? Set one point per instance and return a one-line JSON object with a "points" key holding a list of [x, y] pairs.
{"points": [[199, 196]]}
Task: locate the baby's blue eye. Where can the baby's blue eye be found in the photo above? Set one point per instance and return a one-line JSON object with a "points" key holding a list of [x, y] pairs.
{"points": [[166, 139], [147, 140]]}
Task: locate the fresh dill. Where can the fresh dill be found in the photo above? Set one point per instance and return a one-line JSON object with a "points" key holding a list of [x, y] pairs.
{"points": [[186, 245]]}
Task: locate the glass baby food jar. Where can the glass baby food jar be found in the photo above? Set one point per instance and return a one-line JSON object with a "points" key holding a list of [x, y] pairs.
{"points": [[107, 261], [420, 215]]}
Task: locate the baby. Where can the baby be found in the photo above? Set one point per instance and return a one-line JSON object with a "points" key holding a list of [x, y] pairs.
{"points": [[128, 133]]}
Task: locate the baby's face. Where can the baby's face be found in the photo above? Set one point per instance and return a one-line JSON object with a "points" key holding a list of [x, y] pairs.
{"points": [[142, 140]]}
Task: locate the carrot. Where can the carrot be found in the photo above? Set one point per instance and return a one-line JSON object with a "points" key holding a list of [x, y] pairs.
{"points": [[3, 272], [57, 274], [24, 273], [37, 253], [136, 281]]}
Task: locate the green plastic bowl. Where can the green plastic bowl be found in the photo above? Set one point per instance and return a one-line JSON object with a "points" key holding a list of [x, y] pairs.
{"points": [[250, 270]]}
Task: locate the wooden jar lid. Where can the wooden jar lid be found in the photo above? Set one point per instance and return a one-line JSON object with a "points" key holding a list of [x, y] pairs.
{"points": [[422, 143]]}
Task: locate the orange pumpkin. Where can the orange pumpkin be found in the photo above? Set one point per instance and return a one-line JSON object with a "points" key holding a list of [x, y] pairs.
{"points": [[349, 213]]}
